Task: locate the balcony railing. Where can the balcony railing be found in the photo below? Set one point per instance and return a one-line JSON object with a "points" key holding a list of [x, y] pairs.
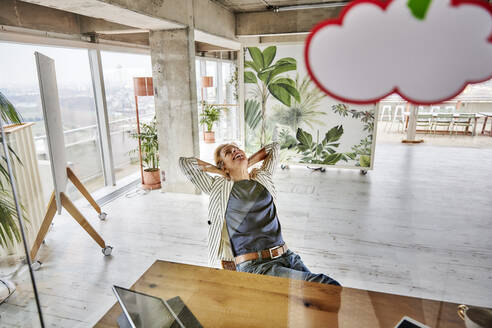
{"points": [[83, 150]]}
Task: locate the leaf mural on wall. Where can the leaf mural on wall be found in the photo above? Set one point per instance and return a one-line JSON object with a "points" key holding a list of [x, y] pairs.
{"points": [[316, 152], [274, 73], [305, 112], [266, 74], [305, 140], [249, 77], [252, 114], [334, 134], [362, 151]]}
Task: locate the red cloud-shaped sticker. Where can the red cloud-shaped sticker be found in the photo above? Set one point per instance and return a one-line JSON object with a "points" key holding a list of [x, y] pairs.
{"points": [[375, 49]]}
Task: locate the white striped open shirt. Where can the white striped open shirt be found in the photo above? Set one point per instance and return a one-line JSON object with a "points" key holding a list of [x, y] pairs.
{"points": [[219, 189]]}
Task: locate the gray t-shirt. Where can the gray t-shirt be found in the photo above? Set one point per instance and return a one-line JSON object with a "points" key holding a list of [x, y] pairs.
{"points": [[251, 218]]}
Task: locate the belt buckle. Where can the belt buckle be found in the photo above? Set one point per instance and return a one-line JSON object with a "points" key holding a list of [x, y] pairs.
{"points": [[274, 248]]}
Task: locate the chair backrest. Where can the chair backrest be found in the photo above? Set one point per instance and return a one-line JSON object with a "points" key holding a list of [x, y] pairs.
{"points": [[424, 117], [464, 118], [435, 109], [450, 109]]}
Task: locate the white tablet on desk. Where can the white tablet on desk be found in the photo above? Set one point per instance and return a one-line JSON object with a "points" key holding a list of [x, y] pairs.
{"points": [[407, 322], [146, 311]]}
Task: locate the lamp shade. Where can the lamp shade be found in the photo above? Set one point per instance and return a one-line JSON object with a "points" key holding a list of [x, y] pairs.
{"points": [[207, 81], [143, 86]]}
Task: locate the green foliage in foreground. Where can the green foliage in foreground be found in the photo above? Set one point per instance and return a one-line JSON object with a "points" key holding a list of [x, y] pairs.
{"points": [[9, 229]]}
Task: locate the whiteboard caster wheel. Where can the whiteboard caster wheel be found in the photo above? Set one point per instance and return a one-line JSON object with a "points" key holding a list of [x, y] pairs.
{"points": [[321, 169], [283, 166], [7, 288], [107, 250], [102, 216], [35, 266], [363, 172]]}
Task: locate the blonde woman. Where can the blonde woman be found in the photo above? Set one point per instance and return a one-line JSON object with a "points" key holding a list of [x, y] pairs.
{"points": [[244, 225]]}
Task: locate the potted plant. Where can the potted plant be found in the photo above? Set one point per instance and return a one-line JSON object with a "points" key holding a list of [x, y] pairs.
{"points": [[209, 115], [9, 229], [150, 154]]}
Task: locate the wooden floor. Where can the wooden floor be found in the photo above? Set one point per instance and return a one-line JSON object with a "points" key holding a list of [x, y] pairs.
{"points": [[419, 225]]}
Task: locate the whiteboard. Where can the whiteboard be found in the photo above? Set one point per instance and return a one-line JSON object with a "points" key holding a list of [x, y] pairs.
{"points": [[53, 124]]}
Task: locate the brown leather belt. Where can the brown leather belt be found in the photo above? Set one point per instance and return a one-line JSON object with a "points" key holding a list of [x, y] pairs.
{"points": [[271, 253]]}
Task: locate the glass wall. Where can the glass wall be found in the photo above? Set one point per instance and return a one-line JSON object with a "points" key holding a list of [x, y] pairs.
{"points": [[17, 293], [19, 83], [17, 296], [119, 70]]}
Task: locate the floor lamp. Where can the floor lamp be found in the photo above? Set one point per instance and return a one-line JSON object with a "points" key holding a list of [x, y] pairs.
{"points": [[207, 82]]}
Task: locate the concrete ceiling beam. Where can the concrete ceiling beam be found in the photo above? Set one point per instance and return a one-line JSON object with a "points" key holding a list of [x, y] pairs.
{"points": [[203, 15], [271, 23], [100, 26], [139, 14], [20, 14]]}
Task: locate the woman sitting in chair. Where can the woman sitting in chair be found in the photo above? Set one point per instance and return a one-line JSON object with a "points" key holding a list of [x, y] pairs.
{"points": [[244, 230]]}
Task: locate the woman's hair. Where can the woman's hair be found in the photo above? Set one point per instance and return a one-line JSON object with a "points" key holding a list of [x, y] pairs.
{"points": [[217, 157]]}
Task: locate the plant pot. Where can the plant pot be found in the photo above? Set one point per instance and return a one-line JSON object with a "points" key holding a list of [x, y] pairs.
{"points": [[152, 179], [209, 136]]}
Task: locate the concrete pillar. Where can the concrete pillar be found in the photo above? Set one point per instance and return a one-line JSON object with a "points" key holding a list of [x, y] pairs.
{"points": [[241, 97], [173, 70], [412, 123], [412, 126]]}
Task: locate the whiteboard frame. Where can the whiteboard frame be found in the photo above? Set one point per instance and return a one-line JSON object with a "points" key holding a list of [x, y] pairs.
{"points": [[53, 124]]}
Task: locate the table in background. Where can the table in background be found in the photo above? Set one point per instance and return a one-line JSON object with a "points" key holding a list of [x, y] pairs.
{"points": [[222, 298], [455, 115], [487, 115]]}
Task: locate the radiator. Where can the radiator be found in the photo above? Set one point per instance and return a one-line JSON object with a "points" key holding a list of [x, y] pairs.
{"points": [[29, 187]]}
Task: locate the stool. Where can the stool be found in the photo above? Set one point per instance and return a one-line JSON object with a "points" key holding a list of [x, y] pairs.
{"points": [[385, 112], [398, 115]]}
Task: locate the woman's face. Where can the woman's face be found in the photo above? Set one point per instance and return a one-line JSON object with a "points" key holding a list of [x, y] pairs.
{"points": [[233, 158]]}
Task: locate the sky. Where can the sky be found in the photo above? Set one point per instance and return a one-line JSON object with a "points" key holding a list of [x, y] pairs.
{"points": [[18, 66]]}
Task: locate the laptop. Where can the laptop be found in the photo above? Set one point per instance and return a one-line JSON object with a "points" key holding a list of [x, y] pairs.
{"points": [[146, 311]]}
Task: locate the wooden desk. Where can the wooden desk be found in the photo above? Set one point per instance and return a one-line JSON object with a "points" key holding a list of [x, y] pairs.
{"points": [[222, 298]]}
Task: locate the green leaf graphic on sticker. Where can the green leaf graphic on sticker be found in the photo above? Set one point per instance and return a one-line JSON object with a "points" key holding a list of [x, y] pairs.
{"points": [[419, 8]]}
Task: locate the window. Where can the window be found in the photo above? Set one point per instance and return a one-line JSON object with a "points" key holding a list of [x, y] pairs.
{"points": [[19, 83], [211, 92], [119, 70]]}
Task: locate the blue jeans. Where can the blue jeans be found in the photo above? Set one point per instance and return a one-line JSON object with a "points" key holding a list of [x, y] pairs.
{"points": [[289, 265]]}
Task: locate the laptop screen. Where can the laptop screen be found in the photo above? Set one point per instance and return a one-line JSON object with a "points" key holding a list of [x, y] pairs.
{"points": [[145, 311]]}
